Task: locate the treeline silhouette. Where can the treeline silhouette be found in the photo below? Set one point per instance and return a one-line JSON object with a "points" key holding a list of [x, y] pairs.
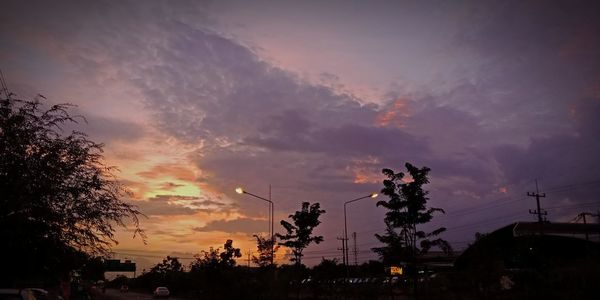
{"points": [[210, 277]]}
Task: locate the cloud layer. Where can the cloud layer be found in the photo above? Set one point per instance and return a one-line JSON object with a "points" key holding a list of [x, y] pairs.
{"points": [[516, 99]]}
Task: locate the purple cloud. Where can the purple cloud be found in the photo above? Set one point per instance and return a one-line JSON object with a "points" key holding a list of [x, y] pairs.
{"points": [[523, 105]]}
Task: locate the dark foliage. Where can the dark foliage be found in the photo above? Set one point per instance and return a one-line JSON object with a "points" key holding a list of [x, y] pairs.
{"points": [[407, 208], [58, 199], [266, 251], [168, 265], [213, 275], [299, 235], [93, 269], [328, 269], [229, 254], [215, 259]]}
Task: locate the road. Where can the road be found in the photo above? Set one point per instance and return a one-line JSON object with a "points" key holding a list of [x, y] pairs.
{"points": [[113, 294]]}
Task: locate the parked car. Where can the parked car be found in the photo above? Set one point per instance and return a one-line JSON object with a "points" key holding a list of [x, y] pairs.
{"points": [[161, 291], [16, 294], [395, 280], [124, 289], [40, 294]]}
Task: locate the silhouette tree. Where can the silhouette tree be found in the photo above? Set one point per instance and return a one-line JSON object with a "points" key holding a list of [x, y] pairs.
{"points": [[407, 208], [57, 196], [215, 259], [328, 269], [229, 254], [266, 251], [168, 265], [206, 260], [169, 273], [214, 272], [299, 234]]}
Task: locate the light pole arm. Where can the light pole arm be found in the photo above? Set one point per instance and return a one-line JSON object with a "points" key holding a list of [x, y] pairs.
{"points": [[369, 196], [271, 212], [271, 216], [345, 244], [259, 197], [345, 221]]}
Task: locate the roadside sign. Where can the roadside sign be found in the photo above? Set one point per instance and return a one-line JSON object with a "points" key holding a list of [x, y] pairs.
{"points": [[394, 270], [115, 265]]}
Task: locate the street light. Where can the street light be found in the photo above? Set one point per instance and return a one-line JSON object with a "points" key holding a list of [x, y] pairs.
{"points": [[372, 195], [240, 190]]}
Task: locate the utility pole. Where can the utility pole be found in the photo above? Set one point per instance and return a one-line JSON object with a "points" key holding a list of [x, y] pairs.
{"points": [[587, 237], [343, 249], [355, 249], [582, 216], [539, 212], [346, 261], [271, 216], [249, 253]]}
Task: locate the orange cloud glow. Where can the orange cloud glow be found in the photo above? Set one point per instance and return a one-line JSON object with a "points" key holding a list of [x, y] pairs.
{"points": [[365, 170], [396, 115], [165, 170]]}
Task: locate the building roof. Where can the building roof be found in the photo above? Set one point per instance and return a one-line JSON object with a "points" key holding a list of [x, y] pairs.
{"points": [[528, 244], [576, 230]]}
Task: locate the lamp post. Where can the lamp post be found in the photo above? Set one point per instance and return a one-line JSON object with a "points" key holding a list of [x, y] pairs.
{"points": [[372, 195], [240, 190]]}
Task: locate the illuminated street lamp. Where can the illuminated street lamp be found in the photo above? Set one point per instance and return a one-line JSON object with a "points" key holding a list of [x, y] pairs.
{"points": [[372, 195], [240, 190]]}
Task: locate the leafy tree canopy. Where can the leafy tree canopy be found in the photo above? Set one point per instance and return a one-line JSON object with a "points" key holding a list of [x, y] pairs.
{"points": [[57, 196], [215, 259], [328, 269], [168, 265], [229, 254], [407, 208], [299, 235], [266, 251]]}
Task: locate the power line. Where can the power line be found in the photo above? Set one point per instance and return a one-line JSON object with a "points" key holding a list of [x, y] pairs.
{"points": [[572, 186], [455, 228], [331, 252], [580, 205], [150, 256], [4, 86], [477, 208], [494, 203]]}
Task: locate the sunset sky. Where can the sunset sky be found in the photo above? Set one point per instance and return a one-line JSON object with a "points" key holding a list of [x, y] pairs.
{"points": [[194, 98]]}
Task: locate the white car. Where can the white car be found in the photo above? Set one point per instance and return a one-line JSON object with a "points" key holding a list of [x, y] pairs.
{"points": [[161, 291]]}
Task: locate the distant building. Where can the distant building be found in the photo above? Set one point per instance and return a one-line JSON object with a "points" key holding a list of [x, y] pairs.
{"points": [[438, 260], [527, 245]]}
